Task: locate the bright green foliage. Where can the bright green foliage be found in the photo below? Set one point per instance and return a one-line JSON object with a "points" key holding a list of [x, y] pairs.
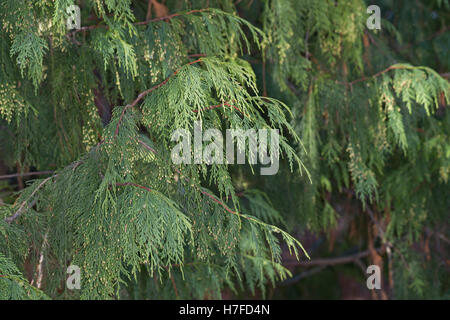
{"points": [[99, 106], [121, 209]]}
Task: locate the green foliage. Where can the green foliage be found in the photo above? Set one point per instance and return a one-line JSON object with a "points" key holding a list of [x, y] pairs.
{"points": [[374, 129], [12, 284], [361, 115]]}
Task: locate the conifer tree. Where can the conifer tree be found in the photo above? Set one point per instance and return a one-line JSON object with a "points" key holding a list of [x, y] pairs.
{"points": [[88, 112]]}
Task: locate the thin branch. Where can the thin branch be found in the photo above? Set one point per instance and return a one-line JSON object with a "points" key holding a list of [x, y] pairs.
{"points": [[88, 28], [25, 174], [22, 206], [330, 261], [360, 264], [134, 185], [373, 76], [196, 55], [146, 92], [146, 146], [431, 37], [439, 235], [203, 192], [178, 14], [303, 275], [219, 202], [212, 197]]}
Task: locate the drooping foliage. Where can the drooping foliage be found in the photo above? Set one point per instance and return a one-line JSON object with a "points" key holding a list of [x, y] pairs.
{"points": [[370, 107], [364, 137]]}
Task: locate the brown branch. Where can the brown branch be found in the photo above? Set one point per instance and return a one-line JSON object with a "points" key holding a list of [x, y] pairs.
{"points": [[219, 202], [438, 234], [196, 55], [22, 206], [239, 194], [146, 146], [373, 76], [330, 261], [96, 26], [146, 92], [25, 174], [134, 185], [431, 37], [203, 192], [303, 275], [178, 14]]}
